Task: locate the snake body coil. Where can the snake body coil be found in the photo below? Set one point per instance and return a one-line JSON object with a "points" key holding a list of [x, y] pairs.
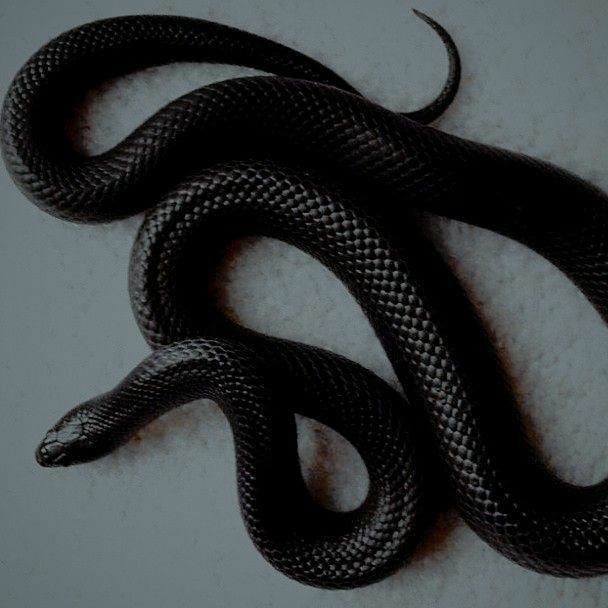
{"points": [[302, 157]]}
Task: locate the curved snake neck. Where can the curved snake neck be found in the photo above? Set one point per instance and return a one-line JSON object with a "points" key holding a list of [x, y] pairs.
{"points": [[303, 157]]}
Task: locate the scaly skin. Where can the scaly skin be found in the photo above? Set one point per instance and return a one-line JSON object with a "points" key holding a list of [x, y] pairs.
{"points": [[365, 232]]}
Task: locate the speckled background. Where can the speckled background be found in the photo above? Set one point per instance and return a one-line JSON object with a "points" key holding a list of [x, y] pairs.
{"points": [[157, 524]]}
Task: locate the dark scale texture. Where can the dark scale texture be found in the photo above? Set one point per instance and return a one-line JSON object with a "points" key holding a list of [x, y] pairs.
{"points": [[207, 165], [259, 389]]}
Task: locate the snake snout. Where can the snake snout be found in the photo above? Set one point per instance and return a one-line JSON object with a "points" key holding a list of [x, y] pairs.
{"points": [[62, 445], [51, 453]]}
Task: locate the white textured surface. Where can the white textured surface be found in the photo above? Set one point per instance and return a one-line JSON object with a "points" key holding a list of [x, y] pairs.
{"points": [[157, 524]]}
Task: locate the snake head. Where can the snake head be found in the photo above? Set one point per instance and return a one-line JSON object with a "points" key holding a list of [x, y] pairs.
{"points": [[68, 442]]}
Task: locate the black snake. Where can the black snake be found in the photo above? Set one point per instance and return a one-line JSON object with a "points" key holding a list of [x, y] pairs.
{"points": [[302, 157]]}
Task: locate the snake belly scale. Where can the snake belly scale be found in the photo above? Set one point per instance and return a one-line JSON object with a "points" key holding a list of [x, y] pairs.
{"points": [[301, 156]]}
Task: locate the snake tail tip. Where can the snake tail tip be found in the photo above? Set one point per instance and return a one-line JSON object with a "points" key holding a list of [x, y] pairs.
{"points": [[421, 15], [430, 22]]}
